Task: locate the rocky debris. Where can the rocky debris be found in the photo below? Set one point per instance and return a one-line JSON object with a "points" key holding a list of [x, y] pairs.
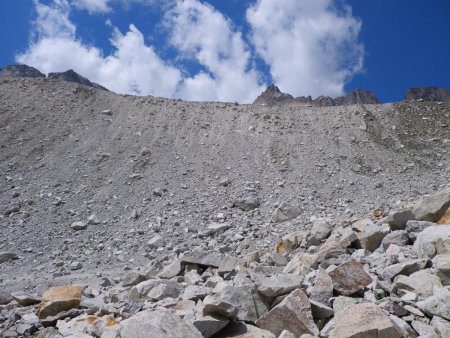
{"points": [[20, 71], [427, 94], [72, 76], [285, 293], [274, 96], [63, 160]]}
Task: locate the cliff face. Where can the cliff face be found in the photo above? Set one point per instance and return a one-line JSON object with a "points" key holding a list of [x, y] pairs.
{"points": [[274, 96], [20, 71], [428, 94]]}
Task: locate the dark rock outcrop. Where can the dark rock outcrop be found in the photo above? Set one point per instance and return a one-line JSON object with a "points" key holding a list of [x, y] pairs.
{"points": [[359, 96], [427, 94], [72, 76], [274, 96], [20, 71]]}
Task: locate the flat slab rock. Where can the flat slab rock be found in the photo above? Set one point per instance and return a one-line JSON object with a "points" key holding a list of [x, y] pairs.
{"points": [[365, 320], [349, 277], [151, 324], [223, 263]]}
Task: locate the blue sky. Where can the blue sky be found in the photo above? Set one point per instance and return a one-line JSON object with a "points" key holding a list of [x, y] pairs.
{"points": [[230, 50]]}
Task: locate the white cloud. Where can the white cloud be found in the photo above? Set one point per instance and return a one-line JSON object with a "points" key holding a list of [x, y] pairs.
{"points": [[133, 68], [201, 33], [311, 47], [93, 6], [104, 6]]}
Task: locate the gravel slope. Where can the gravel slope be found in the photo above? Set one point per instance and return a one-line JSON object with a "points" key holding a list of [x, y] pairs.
{"points": [[148, 166]]}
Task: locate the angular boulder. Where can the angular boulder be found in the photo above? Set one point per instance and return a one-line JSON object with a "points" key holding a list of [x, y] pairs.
{"points": [[292, 314], [365, 320], [58, 299], [151, 324], [349, 277], [249, 303]]}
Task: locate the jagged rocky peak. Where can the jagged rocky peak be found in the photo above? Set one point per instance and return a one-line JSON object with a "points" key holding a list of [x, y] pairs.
{"points": [[359, 96], [272, 95], [427, 94], [20, 71], [72, 76]]}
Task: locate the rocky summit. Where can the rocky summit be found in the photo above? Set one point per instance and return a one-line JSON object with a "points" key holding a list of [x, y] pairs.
{"points": [[274, 96], [124, 216]]}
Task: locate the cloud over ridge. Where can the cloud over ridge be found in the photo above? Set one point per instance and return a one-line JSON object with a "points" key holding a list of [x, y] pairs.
{"points": [[310, 48]]}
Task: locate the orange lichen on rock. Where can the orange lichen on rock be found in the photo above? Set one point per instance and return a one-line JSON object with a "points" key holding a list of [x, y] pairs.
{"points": [[445, 219]]}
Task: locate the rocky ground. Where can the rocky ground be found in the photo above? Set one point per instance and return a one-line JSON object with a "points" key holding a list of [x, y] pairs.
{"points": [[231, 218]]}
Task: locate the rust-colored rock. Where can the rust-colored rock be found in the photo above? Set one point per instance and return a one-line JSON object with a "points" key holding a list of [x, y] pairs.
{"points": [[349, 277], [58, 299]]}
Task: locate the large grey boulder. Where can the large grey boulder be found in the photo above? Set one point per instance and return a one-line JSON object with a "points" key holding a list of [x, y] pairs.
{"points": [[425, 244], [277, 285], [441, 265], [365, 320], [151, 324], [429, 209], [292, 314], [438, 304], [285, 212], [421, 282], [249, 303], [243, 330]]}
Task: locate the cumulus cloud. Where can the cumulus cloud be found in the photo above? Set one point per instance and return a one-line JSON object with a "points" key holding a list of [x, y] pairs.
{"points": [[133, 68], [201, 33], [311, 47], [93, 6]]}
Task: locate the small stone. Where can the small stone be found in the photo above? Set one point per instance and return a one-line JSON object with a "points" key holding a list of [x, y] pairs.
{"points": [[215, 228], [208, 325], [247, 204], [75, 266], [7, 256], [156, 242], [79, 225], [285, 212]]}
